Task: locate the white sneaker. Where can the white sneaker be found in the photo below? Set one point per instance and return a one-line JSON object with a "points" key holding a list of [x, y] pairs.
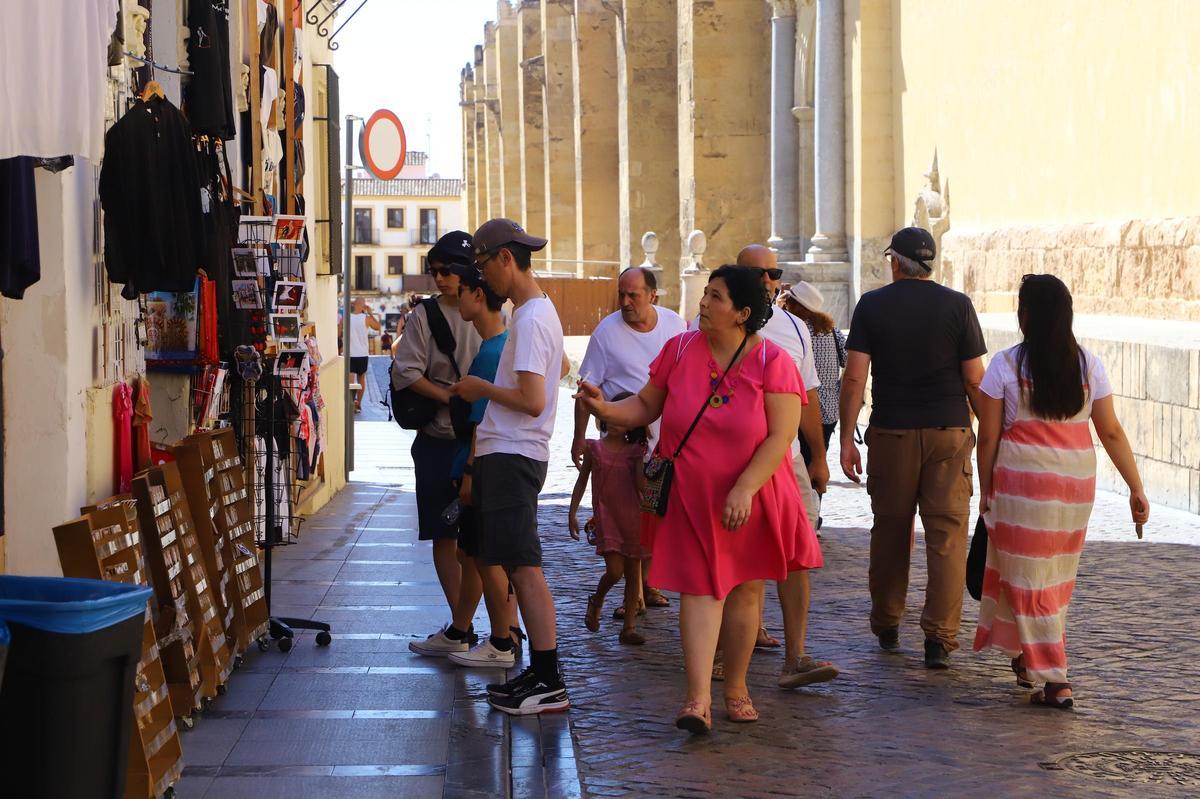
{"points": [[438, 645], [485, 656]]}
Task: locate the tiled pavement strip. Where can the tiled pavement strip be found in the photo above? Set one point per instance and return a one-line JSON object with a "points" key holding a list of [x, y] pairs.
{"points": [[366, 718]]}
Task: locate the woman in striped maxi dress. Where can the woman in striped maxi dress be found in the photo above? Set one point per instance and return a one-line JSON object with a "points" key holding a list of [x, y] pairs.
{"points": [[1037, 475]]}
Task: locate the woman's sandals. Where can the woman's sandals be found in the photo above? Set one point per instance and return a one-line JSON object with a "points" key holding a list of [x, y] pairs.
{"points": [[1052, 696], [1018, 667], [592, 619], [695, 718], [740, 710]]}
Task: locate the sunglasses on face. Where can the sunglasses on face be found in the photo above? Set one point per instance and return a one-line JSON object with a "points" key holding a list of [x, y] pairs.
{"points": [[441, 271], [774, 274]]}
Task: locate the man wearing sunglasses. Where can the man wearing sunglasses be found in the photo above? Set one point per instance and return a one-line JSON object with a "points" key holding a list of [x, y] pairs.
{"points": [[419, 364]]}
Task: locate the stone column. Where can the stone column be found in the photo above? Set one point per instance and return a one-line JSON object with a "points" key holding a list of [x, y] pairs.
{"points": [[532, 144], [724, 124], [648, 146], [596, 182], [829, 241], [482, 175], [491, 106], [470, 187], [509, 96], [558, 119], [785, 214]]}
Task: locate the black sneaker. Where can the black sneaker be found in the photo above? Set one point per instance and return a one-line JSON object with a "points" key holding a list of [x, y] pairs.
{"points": [[936, 656], [890, 639], [531, 697], [512, 686]]}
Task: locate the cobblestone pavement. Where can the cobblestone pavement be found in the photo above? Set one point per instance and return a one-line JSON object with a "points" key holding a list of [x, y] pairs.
{"points": [[887, 726], [365, 718]]}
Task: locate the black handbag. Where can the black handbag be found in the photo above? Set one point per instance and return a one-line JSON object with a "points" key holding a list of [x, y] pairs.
{"points": [[412, 410], [660, 471], [977, 560]]}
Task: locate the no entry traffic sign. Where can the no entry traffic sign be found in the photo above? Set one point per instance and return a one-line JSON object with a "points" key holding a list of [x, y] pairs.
{"points": [[383, 145]]}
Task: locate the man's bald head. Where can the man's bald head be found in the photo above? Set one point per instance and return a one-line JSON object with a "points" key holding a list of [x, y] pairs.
{"points": [[758, 256]]}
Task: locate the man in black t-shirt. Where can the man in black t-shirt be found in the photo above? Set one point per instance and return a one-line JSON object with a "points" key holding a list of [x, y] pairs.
{"points": [[924, 345]]}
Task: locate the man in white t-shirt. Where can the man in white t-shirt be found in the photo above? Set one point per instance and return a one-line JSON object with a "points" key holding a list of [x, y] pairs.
{"points": [[361, 318], [793, 336], [618, 359], [512, 451]]}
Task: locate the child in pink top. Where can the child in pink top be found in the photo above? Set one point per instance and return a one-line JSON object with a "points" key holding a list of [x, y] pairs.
{"points": [[614, 463]]}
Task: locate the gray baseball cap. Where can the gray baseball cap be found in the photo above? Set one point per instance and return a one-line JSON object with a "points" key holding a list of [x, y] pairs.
{"points": [[495, 233]]}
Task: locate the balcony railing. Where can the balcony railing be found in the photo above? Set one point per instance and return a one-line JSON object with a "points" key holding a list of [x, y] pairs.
{"points": [[366, 236]]}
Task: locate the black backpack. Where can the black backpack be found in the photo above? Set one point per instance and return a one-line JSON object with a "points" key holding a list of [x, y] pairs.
{"points": [[412, 410]]}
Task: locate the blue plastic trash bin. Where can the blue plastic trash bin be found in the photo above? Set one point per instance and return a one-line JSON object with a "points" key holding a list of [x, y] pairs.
{"points": [[66, 699]]}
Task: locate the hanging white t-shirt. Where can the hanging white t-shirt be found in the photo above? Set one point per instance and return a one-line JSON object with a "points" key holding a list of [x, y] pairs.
{"points": [[535, 345], [54, 57], [618, 357], [1000, 380], [359, 346]]}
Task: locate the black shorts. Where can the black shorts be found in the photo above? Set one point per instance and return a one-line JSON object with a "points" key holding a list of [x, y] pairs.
{"points": [[433, 459], [506, 489], [358, 366], [468, 532]]}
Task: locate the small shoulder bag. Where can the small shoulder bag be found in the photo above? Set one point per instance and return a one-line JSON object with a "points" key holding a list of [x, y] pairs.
{"points": [[660, 470]]}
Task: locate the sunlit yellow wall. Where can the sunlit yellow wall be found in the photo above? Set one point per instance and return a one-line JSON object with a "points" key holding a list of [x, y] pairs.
{"points": [[1063, 111]]}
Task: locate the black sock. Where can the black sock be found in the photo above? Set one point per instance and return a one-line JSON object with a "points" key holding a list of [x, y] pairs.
{"points": [[502, 644], [545, 665], [455, 634]]}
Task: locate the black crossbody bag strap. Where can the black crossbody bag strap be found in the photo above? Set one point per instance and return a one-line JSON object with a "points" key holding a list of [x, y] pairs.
{"points": [[439, 328], [708, 401]]}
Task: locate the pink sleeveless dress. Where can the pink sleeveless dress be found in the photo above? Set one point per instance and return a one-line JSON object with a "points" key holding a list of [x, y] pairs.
{"points": [[615, 498], [693, 552]]}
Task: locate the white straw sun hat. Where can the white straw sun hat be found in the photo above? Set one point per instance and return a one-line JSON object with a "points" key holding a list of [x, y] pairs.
{"points": [[807, 295]]}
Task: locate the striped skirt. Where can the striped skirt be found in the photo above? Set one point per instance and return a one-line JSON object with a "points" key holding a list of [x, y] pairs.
{"points": [[1043, 486]]}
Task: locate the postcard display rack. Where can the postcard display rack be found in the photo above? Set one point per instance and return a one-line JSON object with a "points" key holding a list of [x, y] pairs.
{"points": [[196, 655], [214, 480], [282, 412], [104, 543]]}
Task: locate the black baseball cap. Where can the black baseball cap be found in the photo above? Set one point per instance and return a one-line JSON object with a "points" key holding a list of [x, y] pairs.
{"points": [[452, 248], [914, 243], [495, 233]]}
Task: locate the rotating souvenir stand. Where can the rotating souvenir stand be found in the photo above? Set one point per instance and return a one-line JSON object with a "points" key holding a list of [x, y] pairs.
{"points": [[269, 443], [104, 543]]}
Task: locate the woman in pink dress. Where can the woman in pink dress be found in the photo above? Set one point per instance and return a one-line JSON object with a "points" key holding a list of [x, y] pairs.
{"points": [[734, 515]]}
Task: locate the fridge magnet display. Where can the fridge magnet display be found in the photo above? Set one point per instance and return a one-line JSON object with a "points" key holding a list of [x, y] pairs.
{"points": [[289, 229], [285, 328], [245, 263], [255, 229], [288, 297], [289, 363], [246, 296]]}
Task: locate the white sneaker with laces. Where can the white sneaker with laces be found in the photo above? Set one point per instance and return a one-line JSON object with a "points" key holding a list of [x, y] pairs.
{"points": [[485, 656], [438, 645]]}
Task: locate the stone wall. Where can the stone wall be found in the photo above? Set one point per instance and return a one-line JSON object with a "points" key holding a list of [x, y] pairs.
{"points": [[1147, 268], [1154, 367]]}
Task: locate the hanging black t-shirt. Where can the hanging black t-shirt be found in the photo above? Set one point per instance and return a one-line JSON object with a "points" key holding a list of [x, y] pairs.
{"points": [[917, 333], [208, 93]]}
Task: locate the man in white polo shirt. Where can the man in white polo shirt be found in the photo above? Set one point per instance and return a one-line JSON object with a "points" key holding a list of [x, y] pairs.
{"points": [[793, 336], [618, 358]]}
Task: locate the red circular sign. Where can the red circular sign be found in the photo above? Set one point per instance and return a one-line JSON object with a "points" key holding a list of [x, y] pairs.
{"points": [[384, 145]]}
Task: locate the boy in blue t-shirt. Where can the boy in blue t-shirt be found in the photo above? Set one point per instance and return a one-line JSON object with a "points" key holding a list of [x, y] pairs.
{"points": [[481, 307]]}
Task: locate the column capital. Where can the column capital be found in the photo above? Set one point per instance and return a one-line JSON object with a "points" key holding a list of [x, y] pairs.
{"points": [[783, 8]]}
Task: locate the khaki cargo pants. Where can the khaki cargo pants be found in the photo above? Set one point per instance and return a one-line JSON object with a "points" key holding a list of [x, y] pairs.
{"points": [[929, 468]]}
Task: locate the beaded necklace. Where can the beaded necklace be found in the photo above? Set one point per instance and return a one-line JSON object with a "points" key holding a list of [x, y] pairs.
{"points": [[716, 400]]}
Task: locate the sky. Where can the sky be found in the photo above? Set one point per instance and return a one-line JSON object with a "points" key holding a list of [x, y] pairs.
{"points": [[406, 56]]}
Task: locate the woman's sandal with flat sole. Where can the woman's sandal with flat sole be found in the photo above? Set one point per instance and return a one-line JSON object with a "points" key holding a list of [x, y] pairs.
{"points": [[592, 619], [1018, 668], [631, 637], [740, 710], [695, 718], [1051, 696]]}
